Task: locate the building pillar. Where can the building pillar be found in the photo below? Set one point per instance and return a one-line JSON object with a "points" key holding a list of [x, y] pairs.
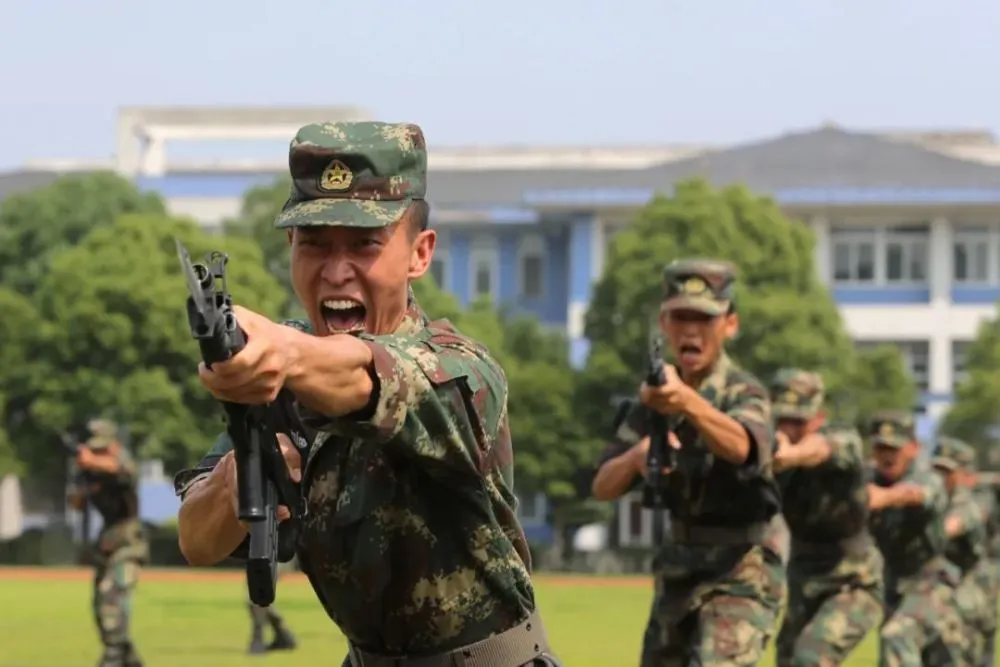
{"points": [[940, 365], [583, 228], [940, 256], [823, 251]]}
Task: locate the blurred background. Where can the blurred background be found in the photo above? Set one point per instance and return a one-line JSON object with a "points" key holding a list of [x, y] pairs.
{"points": [[843, 154]]}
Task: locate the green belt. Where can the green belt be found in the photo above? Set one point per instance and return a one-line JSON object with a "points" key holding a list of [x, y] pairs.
{"points": [[511, 648]]}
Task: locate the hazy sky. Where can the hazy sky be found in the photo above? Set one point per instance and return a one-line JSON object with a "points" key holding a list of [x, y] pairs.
{"points": [[518, 71]]}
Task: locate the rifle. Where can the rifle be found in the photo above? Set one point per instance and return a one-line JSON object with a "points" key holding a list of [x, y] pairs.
{"points": [[660, 454], [261, 474]]}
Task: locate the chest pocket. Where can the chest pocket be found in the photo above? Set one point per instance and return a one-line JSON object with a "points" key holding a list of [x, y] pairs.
{"points": [[361, 482]]}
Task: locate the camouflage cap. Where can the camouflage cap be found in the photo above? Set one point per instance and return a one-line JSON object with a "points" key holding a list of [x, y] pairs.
{"points": [[893, 428], [103, 432], [702, 285], [953, 454], [354, 174], [796, 394]]}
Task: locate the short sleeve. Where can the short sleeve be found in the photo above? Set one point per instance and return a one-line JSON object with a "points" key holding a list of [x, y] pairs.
{"points": [[185, 479], [846, 450], [441, 398], [750, 407], [633, 428]]}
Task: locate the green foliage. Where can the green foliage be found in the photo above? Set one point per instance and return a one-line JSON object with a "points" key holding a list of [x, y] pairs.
{"points": [[787, 317], [115, 339], [974, 417], [37, 225]]}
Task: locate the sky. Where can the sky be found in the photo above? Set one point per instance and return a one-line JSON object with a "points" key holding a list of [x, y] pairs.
{"points": [[513, 72]]}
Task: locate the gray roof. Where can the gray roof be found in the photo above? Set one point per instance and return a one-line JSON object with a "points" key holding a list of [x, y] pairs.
{"points": [[824, 158], [12, 182]]}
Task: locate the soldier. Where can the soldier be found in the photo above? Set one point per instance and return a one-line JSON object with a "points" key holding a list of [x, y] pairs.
{"points": [[908, 503], [411, 543], [987, 487], [260, 618], [107, 480], [721, 579], [967, 530], [835, 572]]}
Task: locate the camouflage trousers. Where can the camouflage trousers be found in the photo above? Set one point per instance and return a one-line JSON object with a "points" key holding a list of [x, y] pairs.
{"points": [[114, 582], [831, 608], [542, 661], [990, 638], [723, 619], [923, 627], [976, 601]]}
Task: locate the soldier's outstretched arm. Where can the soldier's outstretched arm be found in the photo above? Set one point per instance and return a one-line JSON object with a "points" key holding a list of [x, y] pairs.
{"points": [[441, 399]]}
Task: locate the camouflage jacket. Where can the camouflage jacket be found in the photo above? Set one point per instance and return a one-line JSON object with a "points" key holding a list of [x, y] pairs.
{"points": [[968, 546], [703, 490], [114, 496], [986, 493], [411, 542], [912, 539], [828, 503]]}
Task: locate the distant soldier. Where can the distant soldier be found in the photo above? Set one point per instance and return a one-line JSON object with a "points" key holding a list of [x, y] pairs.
{"points": [[107, 480], [720, 581], [261, 617], [835, 584], [908, 503], [987, 490], [967, 526]]}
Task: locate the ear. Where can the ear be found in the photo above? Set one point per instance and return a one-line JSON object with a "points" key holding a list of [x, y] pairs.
{"points": [[732, 326], [421, 253]]}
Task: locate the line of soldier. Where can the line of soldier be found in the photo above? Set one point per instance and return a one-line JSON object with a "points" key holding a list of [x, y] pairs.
{"points": [[769, 502]]}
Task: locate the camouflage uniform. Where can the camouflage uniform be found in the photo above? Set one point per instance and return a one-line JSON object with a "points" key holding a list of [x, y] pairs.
{"points": [[835, 586], [720, 580], [121, 548], [967, 548], [922, 625], [986, 492], [411, 543]]}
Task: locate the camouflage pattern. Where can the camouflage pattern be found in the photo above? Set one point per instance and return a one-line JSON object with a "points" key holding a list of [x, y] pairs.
{"points": [[835, 584], [953, 454], [412, 543], [892, 428], [717, 598], [922, 621], [354, 174], [103, 433], [986, 493], [703, 285], [796, 394], [120, 552], [967, 549]]}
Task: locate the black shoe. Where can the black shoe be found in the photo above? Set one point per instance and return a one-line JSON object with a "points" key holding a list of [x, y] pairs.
{"points": [[283, 641]]}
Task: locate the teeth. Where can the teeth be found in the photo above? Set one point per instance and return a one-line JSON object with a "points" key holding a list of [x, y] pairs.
{"points": [[340, 304]]}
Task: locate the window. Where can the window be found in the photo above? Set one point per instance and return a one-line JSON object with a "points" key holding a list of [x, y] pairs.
{"points": [[959, 359], [971, 257], [853, 256], [531, 261], [906, 255], [484, 268]]}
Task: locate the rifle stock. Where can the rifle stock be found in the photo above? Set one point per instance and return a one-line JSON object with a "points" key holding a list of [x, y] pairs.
{"points": [[263, 482]]}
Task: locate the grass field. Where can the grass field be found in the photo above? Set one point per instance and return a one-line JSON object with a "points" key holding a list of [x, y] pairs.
{"points": [[186, 618]]}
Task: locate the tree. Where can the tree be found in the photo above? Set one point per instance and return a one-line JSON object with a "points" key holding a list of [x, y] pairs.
{"points": [[117, 343], [787, 317], [973, 416], [36, 225], [20, 328], [261, 205]]}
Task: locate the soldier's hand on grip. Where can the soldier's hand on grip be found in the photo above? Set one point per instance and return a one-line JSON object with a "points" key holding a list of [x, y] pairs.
{"points": [[671, 398], [258, 372], [640, 453], [227, 468]]}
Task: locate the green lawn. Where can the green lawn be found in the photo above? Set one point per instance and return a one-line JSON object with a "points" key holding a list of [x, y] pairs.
{"points": [[46, 623]]}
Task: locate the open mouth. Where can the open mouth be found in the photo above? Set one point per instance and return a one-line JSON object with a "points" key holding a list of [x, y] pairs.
{"points": [[343, 315], [689, 353]]}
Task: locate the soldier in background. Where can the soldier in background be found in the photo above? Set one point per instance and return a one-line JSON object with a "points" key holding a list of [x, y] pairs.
{"points": [[107, 480], [720, 581], [835, 571], [968, 526], [987, 490], [908, 502], [261, 617]]}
